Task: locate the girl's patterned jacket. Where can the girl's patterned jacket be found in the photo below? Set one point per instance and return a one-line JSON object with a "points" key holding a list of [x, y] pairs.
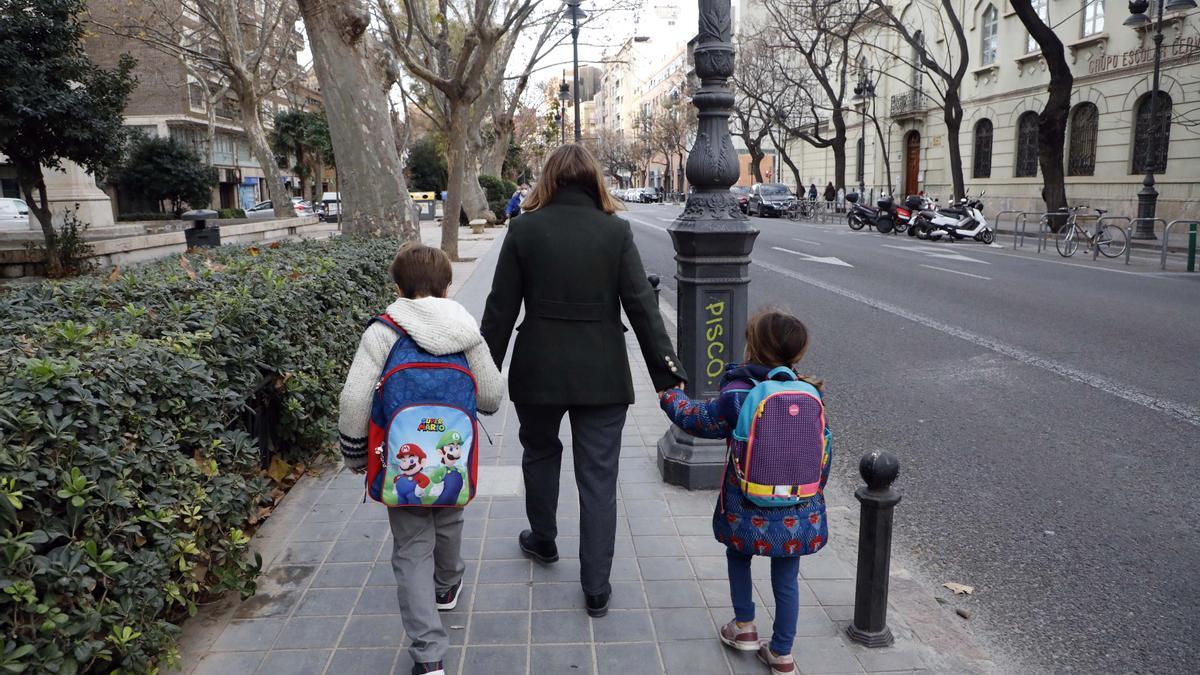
{"points": [[779, 532]]}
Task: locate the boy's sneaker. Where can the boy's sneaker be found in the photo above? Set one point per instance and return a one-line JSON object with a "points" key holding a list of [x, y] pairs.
{"points": [[448, 600], [780, 665], [434, 668], [742, 639]]}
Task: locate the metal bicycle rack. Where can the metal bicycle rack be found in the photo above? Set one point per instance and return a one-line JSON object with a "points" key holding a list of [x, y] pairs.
{"points": [[1191, 264], [1128, 228], [999, 216]]}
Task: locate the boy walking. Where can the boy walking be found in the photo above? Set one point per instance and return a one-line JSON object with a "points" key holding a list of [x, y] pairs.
{"points": [[425, 488]]}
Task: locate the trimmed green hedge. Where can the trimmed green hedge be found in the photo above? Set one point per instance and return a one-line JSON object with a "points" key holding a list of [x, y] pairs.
{"points": [[125, 496], [139, 217], [231, 213]]}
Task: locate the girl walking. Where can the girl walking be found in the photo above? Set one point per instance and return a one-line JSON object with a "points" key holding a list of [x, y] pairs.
{"points": [[775, 343]]}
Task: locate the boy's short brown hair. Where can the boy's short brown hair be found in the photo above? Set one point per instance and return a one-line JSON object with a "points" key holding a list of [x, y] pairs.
{"points": [[421, 271]]}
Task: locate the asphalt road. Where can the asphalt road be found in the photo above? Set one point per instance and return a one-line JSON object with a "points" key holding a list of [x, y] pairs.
{"points": [[1046, 414]]}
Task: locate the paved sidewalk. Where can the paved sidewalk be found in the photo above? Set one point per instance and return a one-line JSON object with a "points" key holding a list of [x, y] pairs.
{"points": [[326, 602]]}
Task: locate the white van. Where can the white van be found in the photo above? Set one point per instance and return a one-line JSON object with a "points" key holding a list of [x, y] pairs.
{"points": [[331, 203], [14, 214]]}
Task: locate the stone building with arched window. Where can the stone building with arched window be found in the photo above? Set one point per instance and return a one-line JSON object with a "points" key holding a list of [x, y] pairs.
{"points": [[1111, 136]]}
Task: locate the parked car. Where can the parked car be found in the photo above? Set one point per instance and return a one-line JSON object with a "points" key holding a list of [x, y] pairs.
{"points": [[331, 203], [267, 210], [768, 199], [14, 214], [742, 194], [650, 195]]}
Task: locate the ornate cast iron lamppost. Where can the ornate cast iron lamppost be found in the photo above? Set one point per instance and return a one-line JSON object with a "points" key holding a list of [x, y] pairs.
{"points": [[564, 95], [1148, 196], [576, 14], [863, 91], [712, 241]]}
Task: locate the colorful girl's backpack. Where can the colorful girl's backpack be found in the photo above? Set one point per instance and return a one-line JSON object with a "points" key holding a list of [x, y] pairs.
{"points": [[422, 447], [779, 446]]}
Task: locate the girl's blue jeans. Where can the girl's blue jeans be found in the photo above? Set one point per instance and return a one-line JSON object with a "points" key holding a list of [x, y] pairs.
{"points": [[784, 575]]}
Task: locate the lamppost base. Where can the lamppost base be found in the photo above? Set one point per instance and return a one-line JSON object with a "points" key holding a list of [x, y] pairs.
{"points": [[872, 639], [690, 462]]}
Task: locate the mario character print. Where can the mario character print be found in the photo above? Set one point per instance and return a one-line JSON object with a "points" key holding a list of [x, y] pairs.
{"points": [[408, 479], [449, 479]]}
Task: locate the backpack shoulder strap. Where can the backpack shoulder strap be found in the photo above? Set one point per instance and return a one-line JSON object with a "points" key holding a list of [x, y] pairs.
{"points": [[387, 321], [782, 370]]}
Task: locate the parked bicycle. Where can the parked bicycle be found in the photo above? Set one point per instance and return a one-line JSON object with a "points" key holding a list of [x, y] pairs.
{"points": [[801, 208], [1109, 240]]}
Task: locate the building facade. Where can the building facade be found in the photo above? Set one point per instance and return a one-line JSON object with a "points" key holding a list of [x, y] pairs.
{"points": [[1109, 130]]}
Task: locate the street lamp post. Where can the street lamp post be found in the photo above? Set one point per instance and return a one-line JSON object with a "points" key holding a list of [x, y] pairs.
{"points": [[564, 95], [576, 14], [863, 91], [1148, 196], [713, 241]]}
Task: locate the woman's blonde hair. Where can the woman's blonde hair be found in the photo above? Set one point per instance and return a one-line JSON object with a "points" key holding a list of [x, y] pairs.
{"points": [[571, 165]]}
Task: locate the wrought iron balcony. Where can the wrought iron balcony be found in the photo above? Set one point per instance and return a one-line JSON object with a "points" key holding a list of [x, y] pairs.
{"points": [[909, 104]]}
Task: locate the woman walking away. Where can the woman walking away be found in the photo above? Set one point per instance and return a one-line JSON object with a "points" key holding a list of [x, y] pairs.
{"points": [[772, 500], [830, 195], [574, 266]]}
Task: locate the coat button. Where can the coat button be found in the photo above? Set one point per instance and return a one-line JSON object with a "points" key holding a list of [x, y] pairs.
{"points": [[674, 369]]}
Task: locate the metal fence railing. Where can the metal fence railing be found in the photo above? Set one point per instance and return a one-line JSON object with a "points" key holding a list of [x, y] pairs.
{"points": [[1191, 251]]}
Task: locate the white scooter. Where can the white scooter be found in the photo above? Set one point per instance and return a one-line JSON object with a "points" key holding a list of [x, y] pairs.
{"points": [[964, 219]]}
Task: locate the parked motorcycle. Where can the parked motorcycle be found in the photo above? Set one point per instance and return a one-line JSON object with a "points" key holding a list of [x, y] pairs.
{"points": [[884, 217], [963, 219]]}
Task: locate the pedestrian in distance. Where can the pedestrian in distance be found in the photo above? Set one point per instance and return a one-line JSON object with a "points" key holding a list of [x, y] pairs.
{"points": [[812, 193], [775, 508], [574, 266], [830, 195], [431, 450]]}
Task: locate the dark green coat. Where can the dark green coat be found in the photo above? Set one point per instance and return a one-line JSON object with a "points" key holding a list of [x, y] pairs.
{"points": [[574, 267]]}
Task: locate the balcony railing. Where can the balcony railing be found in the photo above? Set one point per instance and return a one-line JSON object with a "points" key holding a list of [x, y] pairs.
{"points": [[908, 104]]}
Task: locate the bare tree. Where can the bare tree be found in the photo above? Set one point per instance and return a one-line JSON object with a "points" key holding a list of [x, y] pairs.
{"points": [[753, 115], [458, 49], [1052, 122], [251, 44], [355, 76], [813, 54], [945, 61], [614, 154]]}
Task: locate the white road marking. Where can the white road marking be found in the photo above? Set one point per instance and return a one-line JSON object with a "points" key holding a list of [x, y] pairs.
{"points": [[639, 221], [1056, 261], [965, 274], [933, 252], [805, 241], [665, 220], [830, 260], [1127, 392]]}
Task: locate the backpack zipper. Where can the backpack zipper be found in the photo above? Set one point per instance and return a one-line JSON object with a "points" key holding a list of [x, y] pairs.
{"points": [[424, 364]]}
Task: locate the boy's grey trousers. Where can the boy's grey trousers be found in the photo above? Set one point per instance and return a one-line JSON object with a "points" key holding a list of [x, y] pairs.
{"points": [[427, 560]]}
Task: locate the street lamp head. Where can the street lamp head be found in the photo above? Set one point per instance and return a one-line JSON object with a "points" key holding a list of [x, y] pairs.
{"points": [[1137, 13], [564, 91], [573, 10], [1180, 5]]}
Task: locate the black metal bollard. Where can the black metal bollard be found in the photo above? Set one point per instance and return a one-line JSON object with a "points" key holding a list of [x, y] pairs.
{"points": [[869, 627], [654, 282]]}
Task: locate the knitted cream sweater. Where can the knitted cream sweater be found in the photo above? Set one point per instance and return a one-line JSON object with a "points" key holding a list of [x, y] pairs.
{"points": [[440, 326]]}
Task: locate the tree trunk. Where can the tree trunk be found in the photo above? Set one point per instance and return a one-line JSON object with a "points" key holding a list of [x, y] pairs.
{"points": [[457, 159], [376, 200], [952, 115], [838, 145], [756, 158], [497, 151], [1052, 122], [29, 175], [281, 201], [787, 159]]}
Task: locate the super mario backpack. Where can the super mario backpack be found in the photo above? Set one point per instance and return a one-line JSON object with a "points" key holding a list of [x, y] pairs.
{"points": [[423, 449], [779, 446]]}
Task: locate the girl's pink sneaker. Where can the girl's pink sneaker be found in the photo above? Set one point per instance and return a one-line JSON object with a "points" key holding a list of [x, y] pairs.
{"points": [[743, 639], [780, 665]]}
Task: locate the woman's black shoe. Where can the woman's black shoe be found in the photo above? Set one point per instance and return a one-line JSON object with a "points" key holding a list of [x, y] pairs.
{"points": [[543, 552], [597, 605]]}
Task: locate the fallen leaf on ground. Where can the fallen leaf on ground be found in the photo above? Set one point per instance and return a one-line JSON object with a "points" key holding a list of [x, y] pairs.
{"points": [[186, 267], [253, 250], [959, 589], [116, 274], [279, 469]]}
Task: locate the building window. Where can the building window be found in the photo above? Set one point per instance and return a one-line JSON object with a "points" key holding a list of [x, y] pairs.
{"points": [[982, 161], [1081, 151], [196, 97], [862, 160], [1040, 7], [1093, 18], [1027, 145], [989, 35], [1152, 135]]}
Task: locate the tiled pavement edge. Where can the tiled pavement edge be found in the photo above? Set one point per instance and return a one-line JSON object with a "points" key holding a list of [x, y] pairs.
{"points": [[326, 602]]}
